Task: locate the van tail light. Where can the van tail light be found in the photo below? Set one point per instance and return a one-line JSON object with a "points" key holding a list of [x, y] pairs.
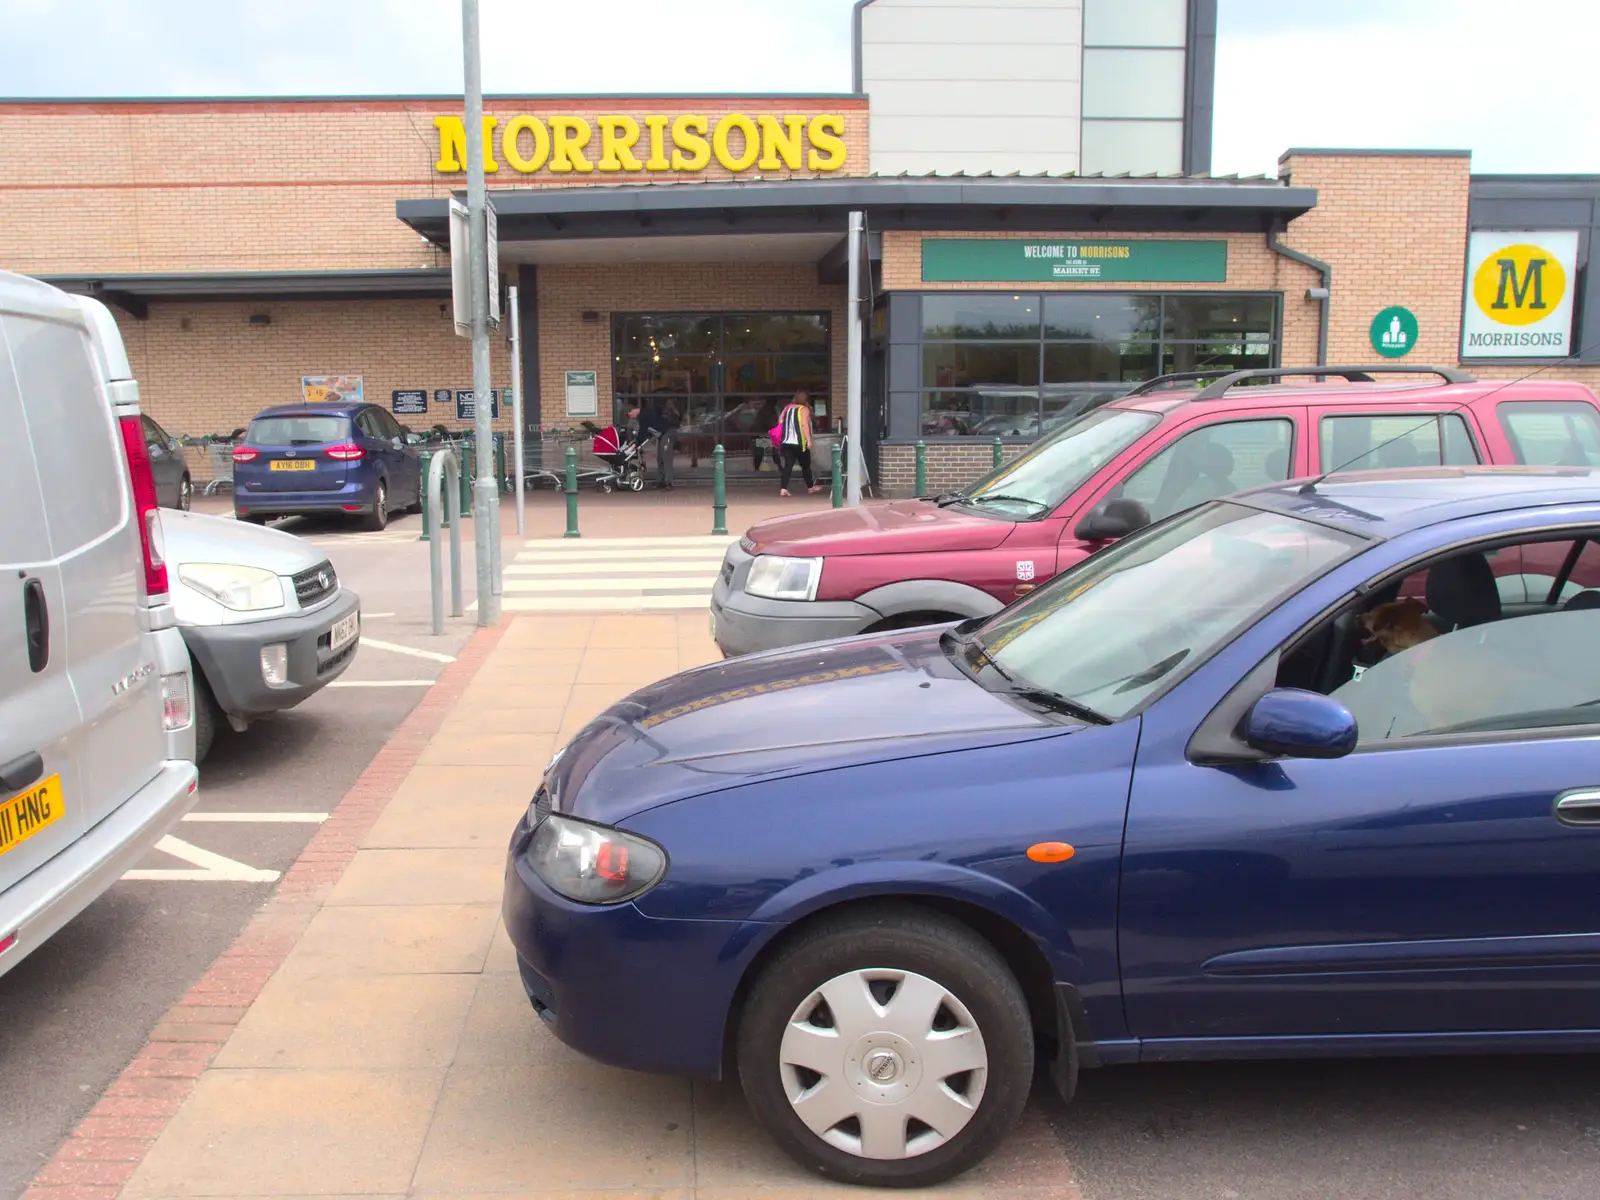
{"points": [[243, 454], [348, 452], [151, 540]]}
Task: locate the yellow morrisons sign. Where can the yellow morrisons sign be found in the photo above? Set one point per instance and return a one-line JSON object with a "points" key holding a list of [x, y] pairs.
{"points": [[682, 144]]}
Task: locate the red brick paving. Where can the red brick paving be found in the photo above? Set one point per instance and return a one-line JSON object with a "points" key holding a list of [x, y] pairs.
{"points": [[101, 1154]]}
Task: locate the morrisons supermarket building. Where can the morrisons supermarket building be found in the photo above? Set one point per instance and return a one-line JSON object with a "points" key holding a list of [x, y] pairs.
{"points": [[1041, 227]]}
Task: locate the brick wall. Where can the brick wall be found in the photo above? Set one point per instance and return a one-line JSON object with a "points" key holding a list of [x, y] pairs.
{"points": [[566, 292], [203, 368], [173, 186], [950, 465]]}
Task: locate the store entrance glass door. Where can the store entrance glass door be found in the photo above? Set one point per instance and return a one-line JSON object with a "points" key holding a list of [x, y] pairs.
{"points": [[726, 375]]}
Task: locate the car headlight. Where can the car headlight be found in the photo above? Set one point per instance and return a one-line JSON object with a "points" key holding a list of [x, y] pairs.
{"points": [[236, 587], [773, 577], [593, 864]]}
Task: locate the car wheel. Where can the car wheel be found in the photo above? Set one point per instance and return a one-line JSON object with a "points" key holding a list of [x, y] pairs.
{"points": [[185, 494], [378, 519], [891, 1048], [208, 717]]}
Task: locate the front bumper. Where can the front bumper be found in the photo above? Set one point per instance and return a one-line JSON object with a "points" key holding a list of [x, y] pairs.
{"points": [[634, 991], [230, 657], [45, 900], [745, 624]]}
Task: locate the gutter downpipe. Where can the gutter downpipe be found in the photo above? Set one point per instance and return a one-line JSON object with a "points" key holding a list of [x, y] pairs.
{"points": [[1323, 295]]}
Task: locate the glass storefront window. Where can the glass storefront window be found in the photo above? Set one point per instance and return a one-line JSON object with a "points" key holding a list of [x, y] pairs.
{"points": [[974, 364], [775, 373], [652, 334], [1093, 362], [1101, 316], [774, 333], [968, 315], [1201, 318]]}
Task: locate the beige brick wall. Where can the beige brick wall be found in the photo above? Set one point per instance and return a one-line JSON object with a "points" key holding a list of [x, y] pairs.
{"points": [[172, 186], [950, 465], [1251, 268], [567, 343], [203, 368]]}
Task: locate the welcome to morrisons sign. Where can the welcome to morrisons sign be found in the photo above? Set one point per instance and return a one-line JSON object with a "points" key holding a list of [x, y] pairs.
{"points": [[1018, 260]]}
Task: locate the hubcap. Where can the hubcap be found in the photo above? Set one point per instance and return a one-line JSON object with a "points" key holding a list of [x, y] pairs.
{"points": [[883, 1064]]}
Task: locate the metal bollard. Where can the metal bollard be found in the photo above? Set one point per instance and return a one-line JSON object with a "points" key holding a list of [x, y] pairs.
{"points": [[997, 452], [922, 468], [838, 476], [719, 490], [572, 493], [427, 509]]}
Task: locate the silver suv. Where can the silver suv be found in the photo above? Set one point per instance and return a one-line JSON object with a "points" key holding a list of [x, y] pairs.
{"points": [[86, 781]]}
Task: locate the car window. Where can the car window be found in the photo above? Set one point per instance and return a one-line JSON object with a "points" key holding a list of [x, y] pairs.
{"points": [[391, 427], [1552, 433], [1211, 462], [154, 435], [297, 429], [367, 423], [1131, 620], [74, 434], [1394, 440], [1041, 477]]}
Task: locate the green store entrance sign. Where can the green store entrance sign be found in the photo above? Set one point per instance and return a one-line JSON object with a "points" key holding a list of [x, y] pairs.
{"points": [[1019, 260]]}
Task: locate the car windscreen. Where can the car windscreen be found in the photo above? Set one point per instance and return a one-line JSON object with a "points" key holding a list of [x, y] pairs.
{"points": [[1129, 621], [1044, 475], [298, 429]]}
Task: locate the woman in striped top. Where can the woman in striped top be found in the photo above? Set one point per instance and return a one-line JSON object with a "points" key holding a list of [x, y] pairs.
{"points": [[794, 447]]}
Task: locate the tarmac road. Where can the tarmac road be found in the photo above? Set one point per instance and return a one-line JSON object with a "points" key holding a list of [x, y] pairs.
{"points": [[76, 1011]]}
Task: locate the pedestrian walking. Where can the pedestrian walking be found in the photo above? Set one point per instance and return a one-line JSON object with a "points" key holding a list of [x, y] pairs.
{"points": [[791, 438], [668, 422]]}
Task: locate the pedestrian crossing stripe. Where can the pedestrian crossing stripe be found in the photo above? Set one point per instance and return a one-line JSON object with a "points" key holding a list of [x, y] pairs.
{"points": [[662, 574]]}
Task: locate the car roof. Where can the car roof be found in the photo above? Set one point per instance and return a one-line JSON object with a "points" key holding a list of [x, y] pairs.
{"points": [[1338, 393], [343, 408], [1382, 504]]}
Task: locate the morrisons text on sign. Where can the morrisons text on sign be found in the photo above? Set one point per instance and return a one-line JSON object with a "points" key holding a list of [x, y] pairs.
{"points": [[1518, 294], [682, 144], [1012, 260]]}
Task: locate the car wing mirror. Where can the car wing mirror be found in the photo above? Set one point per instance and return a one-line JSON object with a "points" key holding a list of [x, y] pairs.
{"points": [[1112, 519], [1293, 723]]}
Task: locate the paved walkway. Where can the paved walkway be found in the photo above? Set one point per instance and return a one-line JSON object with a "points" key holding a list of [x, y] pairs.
{"points": [[368, 1035]]}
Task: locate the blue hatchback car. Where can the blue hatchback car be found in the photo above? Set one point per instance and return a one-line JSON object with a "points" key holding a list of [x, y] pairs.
{"points": [[325, 458], [1314, 770]]}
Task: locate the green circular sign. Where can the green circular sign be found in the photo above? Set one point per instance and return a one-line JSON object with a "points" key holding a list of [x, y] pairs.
{"points": [[1394, 331]]}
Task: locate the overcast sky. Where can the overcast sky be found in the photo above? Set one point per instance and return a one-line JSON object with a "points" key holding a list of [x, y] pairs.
{"points": [[1511, 80]]}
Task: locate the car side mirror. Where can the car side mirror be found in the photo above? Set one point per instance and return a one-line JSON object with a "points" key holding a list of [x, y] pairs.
{"points": [[1293, 723], [1113, 519]]}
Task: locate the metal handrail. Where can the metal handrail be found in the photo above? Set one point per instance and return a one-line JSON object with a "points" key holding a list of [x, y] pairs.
{"points": [[444, 470]]}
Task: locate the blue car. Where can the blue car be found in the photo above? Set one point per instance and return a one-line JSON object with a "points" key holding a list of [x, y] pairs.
{"points": [[325, 458], [1311, 771]]}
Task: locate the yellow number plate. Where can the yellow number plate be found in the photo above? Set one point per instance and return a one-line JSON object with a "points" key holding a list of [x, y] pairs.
{"points": [[27, 813], [294, 464]]}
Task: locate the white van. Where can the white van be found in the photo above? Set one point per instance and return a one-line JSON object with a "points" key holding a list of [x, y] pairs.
{"points": [[87, 783]]}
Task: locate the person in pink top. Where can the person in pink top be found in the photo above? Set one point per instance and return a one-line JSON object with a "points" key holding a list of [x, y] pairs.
{"points": [[791, 439]]}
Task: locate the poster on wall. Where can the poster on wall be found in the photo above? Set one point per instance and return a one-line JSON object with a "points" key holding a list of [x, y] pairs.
{"points": [[467, 408], [331, 389], [582, 394], [408, 402], [1519, 286]]}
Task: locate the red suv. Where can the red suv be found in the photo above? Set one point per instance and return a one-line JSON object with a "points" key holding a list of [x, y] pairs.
{"points": [[1164, 447]]}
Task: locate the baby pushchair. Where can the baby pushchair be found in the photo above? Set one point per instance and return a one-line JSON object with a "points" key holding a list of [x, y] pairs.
{"points": [[624, 456]]}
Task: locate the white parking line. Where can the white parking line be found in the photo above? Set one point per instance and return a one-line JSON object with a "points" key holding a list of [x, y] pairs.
{"points": [[265, 818], [396, 648], [381, 683], [209, 867]]}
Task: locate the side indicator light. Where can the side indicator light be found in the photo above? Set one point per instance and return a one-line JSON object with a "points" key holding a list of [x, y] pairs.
{"points": [[1050, 852], [8, 941]]}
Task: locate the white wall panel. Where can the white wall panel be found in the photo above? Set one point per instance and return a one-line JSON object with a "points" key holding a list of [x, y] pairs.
{"points": [[922, 60], [913, 98], [963, 134], [1060, 25], [1133, 83], [976, 162], [1134, 22], [1135, 147]]}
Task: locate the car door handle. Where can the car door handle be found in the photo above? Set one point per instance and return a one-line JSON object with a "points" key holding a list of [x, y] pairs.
{"points": [[21, 771], [1581, 806], [36, 623]]}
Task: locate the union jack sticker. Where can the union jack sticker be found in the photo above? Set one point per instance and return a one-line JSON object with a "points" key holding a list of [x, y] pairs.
{"points": [[1025, 569]]}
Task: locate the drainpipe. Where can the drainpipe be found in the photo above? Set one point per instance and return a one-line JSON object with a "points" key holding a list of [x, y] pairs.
{"points": [[1322, 294]]}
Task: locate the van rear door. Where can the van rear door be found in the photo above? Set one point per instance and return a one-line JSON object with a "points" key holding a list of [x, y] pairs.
{"points": [[42, 800], [94, 540]]}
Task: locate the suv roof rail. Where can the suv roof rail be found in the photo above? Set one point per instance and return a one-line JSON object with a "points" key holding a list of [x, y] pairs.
{"points": [[1215, 391], [1172, 377]]}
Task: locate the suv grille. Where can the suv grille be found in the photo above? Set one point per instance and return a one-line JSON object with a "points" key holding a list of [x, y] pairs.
{"points": [[313, 585]]}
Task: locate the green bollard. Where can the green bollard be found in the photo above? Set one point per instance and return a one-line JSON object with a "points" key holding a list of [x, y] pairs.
{"points": [[719, 491], [427, 512], [572, 493], [922, 468], [467, 460], [997, 452], [838, 477]]}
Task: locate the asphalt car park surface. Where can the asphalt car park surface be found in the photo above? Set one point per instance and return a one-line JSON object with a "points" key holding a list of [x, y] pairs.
{"points": [[76, 1011]]}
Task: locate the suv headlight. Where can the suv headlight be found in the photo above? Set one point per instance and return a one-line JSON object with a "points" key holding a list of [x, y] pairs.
{"points": [[773, 577], [594, 864], [235, 587]]}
